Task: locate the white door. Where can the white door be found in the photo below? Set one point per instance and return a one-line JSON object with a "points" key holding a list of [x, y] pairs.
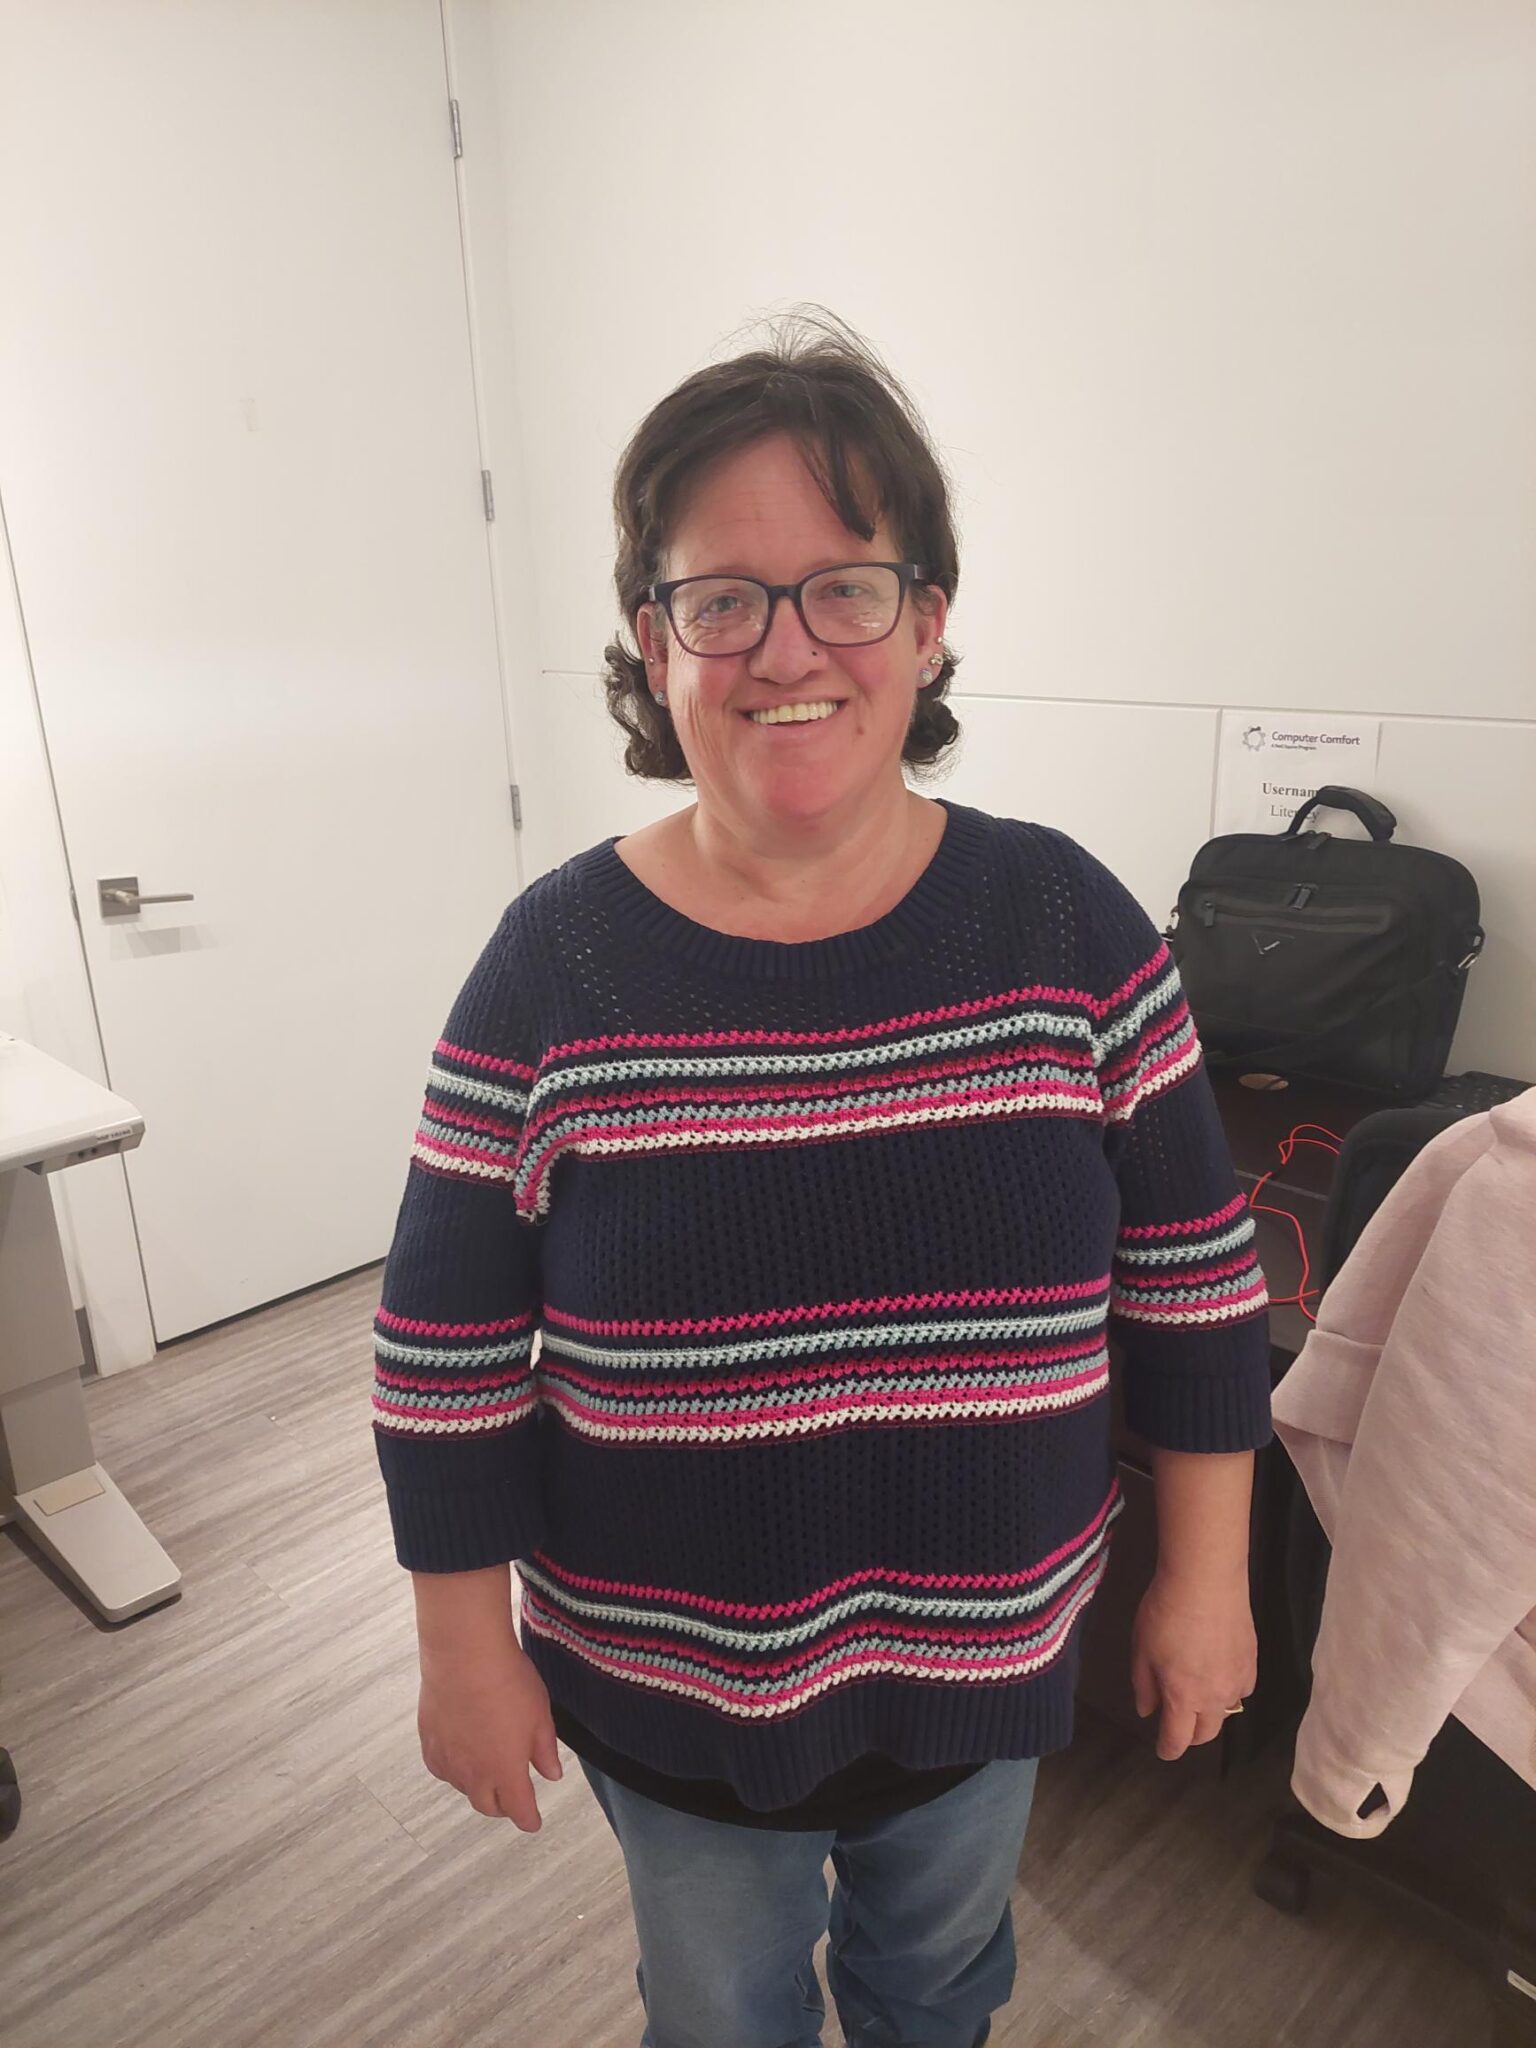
{"points": [[239, 465]]}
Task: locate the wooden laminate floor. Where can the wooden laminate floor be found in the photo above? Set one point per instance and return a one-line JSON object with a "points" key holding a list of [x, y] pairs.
{"points": [[229, 1841]]}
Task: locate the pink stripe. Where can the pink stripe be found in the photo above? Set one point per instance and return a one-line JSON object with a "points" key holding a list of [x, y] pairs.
{"points": [[1177, 1020], [1145, 1082], [919, 1397], [717, 1132], [948, 1361], [852, 1034], [785, 1700], [1214, 1221], [485, 1061], [757, 1667], [1195, 1310], [438, 1384], [738, 1610], [412, 1328], [838, 1089], [442, 1150], [882, 1304], [1097, 1007], [463, 1120], [1143, 973], [636, 1098]]}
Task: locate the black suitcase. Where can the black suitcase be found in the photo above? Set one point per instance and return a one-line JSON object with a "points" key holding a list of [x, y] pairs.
{"points": [[1461, 1856]]}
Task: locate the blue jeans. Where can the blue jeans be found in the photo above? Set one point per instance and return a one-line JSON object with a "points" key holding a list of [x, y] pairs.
{"points": [[921, 1948]]}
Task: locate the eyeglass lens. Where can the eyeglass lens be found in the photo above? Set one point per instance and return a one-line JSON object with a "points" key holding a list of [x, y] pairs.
{"points": [[843, 607]]}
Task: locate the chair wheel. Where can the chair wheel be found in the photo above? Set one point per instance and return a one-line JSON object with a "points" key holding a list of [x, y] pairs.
{"points": [[10, 1796], [1284, 1883]]}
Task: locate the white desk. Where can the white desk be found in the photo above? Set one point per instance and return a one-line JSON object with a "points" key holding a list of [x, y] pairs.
{"points": [[50, 1118]]}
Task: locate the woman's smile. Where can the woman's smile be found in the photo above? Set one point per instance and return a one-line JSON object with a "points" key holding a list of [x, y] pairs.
{"points": [[778, 716]]}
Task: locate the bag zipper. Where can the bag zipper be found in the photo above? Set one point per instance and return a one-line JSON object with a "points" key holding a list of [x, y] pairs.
{"points": [[1275, 917]]}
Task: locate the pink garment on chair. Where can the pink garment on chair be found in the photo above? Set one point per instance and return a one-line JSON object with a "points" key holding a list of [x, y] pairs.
{"points": [[1411, 1416]]}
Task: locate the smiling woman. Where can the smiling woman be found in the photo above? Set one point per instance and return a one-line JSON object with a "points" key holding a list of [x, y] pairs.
{"points": [[859, 436], [818, 1133]]}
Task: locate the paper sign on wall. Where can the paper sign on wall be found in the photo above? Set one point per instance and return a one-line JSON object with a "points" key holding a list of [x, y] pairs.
{"points": [[1271, 762]]}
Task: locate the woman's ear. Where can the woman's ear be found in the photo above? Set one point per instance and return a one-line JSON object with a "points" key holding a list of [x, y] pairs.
{"points": [[933, 615], [651, 632]]}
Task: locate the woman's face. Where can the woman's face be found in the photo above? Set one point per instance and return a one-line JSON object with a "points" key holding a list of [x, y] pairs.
{"points": [[760, 513]]}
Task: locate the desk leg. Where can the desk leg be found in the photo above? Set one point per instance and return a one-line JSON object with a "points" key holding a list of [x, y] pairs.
{"points": [[48, 1477]]}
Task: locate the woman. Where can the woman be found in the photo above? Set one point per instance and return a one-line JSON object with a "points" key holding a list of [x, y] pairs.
{"points": [[818, 1130]]}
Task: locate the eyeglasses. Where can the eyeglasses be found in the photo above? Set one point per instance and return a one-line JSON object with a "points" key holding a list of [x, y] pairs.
{"points": [[852, 605]]}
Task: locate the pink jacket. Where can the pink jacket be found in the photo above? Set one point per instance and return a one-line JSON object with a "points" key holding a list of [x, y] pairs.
{"points": [[1411, 1417]]}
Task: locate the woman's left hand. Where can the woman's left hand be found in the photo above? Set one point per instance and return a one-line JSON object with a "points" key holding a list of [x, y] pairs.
{"points": [[1194, 1653]]}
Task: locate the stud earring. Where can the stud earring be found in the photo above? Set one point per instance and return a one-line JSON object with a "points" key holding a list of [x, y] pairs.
{"points": [[660, 696]]}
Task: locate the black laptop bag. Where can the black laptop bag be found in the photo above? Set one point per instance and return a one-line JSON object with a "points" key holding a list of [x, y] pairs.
{"points": [[1344, 959]]}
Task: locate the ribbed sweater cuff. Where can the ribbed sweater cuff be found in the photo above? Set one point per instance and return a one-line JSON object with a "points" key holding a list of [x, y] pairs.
{"points": [[462, 1531], [1200, 1411]]}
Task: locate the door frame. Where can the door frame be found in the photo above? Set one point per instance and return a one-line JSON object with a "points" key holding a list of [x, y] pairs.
{"points": [[48, 998]]}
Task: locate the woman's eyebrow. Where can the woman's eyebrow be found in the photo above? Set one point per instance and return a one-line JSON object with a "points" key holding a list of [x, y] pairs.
{"points": [[831, 562]]}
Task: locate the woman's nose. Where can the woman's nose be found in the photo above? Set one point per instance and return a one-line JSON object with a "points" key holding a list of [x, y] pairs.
{"points": [[787, 650]]}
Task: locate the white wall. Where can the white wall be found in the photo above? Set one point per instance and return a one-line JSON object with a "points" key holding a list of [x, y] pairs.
{"points": [[1223, 318]]}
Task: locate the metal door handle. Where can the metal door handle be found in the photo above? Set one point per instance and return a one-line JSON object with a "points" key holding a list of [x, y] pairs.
{"points": [[119, 896]]}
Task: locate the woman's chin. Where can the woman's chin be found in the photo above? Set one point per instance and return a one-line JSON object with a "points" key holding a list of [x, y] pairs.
{"points": [[796, 793]]}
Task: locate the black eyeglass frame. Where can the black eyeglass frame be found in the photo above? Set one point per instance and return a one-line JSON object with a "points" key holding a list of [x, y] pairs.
{"points": [[908, 573]]}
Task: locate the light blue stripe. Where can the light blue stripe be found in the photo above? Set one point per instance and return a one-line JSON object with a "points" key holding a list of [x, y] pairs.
{"points": [[799, 1343]]}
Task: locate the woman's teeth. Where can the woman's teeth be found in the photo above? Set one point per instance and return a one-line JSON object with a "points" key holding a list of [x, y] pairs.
{"points": [[792, 714]]}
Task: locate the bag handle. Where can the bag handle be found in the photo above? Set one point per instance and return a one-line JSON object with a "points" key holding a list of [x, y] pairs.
{"points": [[1371, 811]]}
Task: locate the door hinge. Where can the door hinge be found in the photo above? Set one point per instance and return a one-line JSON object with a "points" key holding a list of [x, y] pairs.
{"points": [[458, 128], [517, 808], [487, 494]]}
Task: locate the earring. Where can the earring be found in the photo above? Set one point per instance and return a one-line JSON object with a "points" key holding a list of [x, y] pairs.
{"points": [[660, 696]]}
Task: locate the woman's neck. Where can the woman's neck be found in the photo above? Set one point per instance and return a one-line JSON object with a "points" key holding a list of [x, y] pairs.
{"points": [[787, 885]]}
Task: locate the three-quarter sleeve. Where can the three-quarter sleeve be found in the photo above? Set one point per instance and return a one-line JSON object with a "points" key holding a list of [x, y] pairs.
{"points": [[1188, 1301], [453, 1397]]}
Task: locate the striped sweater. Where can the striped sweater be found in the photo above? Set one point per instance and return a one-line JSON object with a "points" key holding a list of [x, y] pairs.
{"points": [[754, 1298]]}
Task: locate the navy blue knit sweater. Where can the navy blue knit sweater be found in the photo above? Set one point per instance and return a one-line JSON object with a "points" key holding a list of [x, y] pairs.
{"points": [[754, 1297]]}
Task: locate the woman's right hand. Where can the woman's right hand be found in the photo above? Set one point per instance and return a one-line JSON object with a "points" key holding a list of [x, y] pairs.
{"points": [[482, 1723]]}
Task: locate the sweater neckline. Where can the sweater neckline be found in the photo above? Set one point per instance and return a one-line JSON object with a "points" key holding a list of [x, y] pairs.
{"points": [[937, 895]]}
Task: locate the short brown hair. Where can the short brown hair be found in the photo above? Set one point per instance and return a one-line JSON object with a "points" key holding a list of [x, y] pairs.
{"points": [[823, 385]]}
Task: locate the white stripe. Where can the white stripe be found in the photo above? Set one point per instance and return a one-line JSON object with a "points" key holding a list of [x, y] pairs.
{"points": [[840, 1418], [461, 1169], [449, 1425], [1222, 1312], [1144, 1088]]}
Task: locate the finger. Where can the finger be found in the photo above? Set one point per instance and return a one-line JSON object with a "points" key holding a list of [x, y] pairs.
{"points": [[545, 1754], [1144, 1686], [1174, 1735], [1208, 1727], [514, 1800]]}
